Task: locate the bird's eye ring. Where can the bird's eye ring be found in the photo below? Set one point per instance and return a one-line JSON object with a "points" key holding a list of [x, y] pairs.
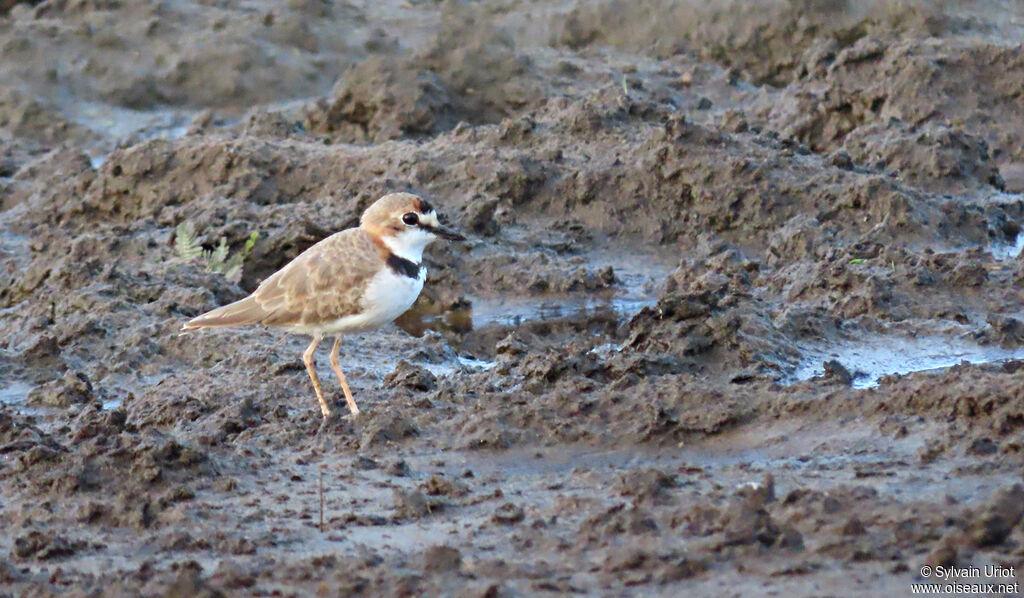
{"points": [[410, 218]]}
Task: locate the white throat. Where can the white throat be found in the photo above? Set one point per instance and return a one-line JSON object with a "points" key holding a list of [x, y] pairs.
{"points": [[409, 244]]}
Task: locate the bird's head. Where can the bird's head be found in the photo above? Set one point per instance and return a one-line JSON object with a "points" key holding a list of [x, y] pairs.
{"points": [[405, 223]]}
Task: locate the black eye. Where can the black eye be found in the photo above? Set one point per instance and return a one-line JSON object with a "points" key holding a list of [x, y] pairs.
{"points": [[410, 218]]}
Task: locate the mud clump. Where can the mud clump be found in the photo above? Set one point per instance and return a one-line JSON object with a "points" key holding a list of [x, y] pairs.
{"points": [[412, 377], [933, 157], [380, 99], [415, 505], [441, 558], [994, 524], [72, 388], [36, 545], [387, 429], [469, 73]]}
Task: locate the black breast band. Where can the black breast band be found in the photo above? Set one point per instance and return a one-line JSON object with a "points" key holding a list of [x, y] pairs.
{"points": [[403, 267]]}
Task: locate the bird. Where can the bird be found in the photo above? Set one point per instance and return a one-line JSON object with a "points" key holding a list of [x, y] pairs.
{"points": [[353, 281]]}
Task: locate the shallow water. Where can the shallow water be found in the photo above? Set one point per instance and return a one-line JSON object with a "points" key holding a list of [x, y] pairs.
{"points": [[870, 359], [631, 294], [637, 279], [514, 311], [123, 126], [462, 362], [1008, 251], [14, 392]]}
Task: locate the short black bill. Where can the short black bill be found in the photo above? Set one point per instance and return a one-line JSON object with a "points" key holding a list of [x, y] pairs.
{"points": [[447, 233]]}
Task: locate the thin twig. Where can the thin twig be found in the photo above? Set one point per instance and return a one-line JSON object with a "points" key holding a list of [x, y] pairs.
{"points": [[320, 485]]}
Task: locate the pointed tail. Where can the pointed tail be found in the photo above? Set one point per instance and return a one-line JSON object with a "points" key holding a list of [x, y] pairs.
{"points": [[239, 313]]}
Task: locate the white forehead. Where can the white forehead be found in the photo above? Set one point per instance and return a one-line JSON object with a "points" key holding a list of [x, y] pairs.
{"points": [[430, 219]]}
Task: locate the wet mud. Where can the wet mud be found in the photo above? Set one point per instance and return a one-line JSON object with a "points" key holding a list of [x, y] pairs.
{"points": [[740, 311]]}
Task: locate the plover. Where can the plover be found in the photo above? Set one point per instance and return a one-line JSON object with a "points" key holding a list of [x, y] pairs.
{"points": [[352, 281]]}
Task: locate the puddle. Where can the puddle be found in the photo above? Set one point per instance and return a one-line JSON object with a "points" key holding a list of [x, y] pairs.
{"points": [[513, 312], [869, 360], [15, 393], [118, 388], [14, 253], [123, 126], [634, 291], [630, 296], [1007, 251], [462, 363]]}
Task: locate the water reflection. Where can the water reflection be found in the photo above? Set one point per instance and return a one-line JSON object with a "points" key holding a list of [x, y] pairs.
{"points": [[485, 312]]}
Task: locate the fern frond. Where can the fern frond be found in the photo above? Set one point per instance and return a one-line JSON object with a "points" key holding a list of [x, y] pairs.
{"points": [[233, 265], [186, 245], [215, 260], [233, 270], [220, 259]]}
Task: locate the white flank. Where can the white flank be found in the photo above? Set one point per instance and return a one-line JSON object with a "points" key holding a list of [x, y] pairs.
{"points": [[387, 296]]}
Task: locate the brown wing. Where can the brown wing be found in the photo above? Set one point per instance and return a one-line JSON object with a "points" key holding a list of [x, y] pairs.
{"points": [[322, 284]]}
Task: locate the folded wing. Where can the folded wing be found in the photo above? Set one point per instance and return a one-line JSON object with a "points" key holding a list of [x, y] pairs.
{"points": [[322, 284]]}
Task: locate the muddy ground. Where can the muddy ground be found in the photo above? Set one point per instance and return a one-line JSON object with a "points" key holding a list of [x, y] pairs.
{"points": [[740, 313]]}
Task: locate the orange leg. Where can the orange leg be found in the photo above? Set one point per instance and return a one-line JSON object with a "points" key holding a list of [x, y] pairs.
{"points": [[341, 377], [307, 358]]}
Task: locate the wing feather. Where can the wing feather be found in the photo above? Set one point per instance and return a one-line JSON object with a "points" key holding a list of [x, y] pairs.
{"points": [[322, 284], [244, 311]]}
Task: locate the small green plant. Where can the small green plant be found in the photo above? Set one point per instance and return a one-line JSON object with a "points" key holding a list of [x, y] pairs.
{"points": [[856, 261], [186, 245], [219, 260]]}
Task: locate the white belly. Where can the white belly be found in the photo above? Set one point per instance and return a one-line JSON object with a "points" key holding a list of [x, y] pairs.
{"points": [[387, 296]]}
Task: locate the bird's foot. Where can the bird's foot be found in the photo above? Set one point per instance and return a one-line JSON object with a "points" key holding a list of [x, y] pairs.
{"points": [[329, 422], [336, 419], [346, 411]]}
